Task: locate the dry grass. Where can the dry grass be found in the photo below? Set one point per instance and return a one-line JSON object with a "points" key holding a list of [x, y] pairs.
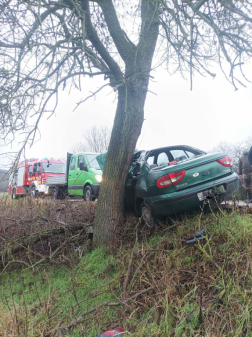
{"points": [[34, 230], [150, 282]]}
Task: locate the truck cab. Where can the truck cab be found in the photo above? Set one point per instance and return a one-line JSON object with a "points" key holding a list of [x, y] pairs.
{"points": [[84, 175], [30, 176]]}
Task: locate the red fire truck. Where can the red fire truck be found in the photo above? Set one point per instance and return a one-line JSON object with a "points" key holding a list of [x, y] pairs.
{"points": [[30, 176]]}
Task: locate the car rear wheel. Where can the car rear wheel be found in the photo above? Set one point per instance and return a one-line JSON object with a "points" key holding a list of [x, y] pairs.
{"points": [[88, 193], [146, 215]]}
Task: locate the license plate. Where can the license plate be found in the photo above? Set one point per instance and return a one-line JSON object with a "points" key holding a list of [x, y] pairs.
{"points": [[201, 196], [213, 191]]}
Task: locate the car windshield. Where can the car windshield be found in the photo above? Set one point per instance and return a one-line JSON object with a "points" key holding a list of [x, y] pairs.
{"points": [[57, 168], [93, 163]]}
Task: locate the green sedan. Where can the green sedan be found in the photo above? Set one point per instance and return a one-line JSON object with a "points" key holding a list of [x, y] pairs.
{"points": [[174, 179]]}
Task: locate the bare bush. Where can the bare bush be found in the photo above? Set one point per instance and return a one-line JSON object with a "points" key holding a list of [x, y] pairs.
{"points": [[36, 231]]}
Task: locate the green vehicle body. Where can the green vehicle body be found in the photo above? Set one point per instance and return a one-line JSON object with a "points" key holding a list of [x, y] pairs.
{"points": [[83, 171], [203, 178]]}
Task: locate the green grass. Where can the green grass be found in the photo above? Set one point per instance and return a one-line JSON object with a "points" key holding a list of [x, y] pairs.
{"points": [[57, 293], [204, 289], [4, 195]]}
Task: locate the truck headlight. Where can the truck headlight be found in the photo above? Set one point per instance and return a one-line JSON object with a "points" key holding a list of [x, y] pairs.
{"points": [[98, 177]]}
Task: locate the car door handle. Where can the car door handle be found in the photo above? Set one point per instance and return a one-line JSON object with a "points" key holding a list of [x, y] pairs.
{"points": [[77, 174]]}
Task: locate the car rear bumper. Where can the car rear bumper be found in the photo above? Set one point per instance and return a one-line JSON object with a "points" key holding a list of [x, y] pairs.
{"points": [[188, 199]]}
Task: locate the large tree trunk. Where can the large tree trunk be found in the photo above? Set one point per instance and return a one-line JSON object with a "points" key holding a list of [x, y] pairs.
{"points": [[127, 126]]}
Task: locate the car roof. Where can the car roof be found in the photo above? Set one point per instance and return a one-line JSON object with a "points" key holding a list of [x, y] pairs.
{"points": [[176, 146]]}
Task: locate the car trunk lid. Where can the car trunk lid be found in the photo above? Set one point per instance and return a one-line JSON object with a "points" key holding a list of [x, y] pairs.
{"points": [[193, 172]]}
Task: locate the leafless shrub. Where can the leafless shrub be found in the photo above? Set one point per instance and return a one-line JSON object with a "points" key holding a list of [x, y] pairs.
{"points": [[41, 229]]}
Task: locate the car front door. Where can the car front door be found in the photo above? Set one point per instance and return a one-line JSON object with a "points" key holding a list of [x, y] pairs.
{"points": [[72, 175], [81, 174]]}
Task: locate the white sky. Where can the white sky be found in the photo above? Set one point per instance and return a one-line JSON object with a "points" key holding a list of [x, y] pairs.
{"points": [[211, 113]]}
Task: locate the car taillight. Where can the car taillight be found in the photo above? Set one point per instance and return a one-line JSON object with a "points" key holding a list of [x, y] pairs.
{"points": [[170, 179], [226, 161]]}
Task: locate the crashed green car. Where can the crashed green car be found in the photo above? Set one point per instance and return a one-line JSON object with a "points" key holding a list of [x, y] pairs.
{"points": [[174, 179]]}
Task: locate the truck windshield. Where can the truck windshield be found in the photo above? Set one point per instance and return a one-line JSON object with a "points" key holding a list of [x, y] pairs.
{"points": [[57, 168], [91, 158]]}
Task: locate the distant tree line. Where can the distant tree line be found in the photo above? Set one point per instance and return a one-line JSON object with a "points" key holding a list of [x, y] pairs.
{"points": [[233, 150], [96, 139]]}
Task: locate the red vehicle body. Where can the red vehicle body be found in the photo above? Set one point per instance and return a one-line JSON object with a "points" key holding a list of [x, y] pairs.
{"points": [[30, 176]]}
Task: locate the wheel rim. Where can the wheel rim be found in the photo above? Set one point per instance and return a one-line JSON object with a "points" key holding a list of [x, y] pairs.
{"points": [[147, 217], [88, 195]]}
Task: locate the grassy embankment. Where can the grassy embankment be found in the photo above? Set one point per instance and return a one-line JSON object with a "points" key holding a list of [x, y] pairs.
{"points": [[149, 282]]}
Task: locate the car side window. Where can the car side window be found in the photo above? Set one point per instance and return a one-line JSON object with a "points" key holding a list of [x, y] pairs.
{"points": [[30, 170], [72, 166], [150, 160], [162, 159], [81, 160], [190, 154], [178, 155]]}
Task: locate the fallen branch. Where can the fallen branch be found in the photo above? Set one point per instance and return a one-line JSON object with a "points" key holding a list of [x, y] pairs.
{"points": [[25, 242]]}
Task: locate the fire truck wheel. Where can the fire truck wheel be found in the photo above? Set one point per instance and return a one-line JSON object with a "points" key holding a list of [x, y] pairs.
{"points": [[55, 194], [32, 192], [14, 194], [88, 193]]}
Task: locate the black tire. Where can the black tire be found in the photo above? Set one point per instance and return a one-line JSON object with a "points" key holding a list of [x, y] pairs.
{"points": [[88, 193], [55, 193], [14, 194], [146, 216], [32, 192], [62, 195]]}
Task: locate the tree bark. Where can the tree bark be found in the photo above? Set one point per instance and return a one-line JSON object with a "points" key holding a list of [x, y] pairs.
{"points": [[127, 128]]}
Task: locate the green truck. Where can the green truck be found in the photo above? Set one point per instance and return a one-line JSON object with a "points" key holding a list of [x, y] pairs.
{"points": [[82, 178]]}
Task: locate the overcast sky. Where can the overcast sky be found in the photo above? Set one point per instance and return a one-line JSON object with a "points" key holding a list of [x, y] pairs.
{"points": [[211, 113]]}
